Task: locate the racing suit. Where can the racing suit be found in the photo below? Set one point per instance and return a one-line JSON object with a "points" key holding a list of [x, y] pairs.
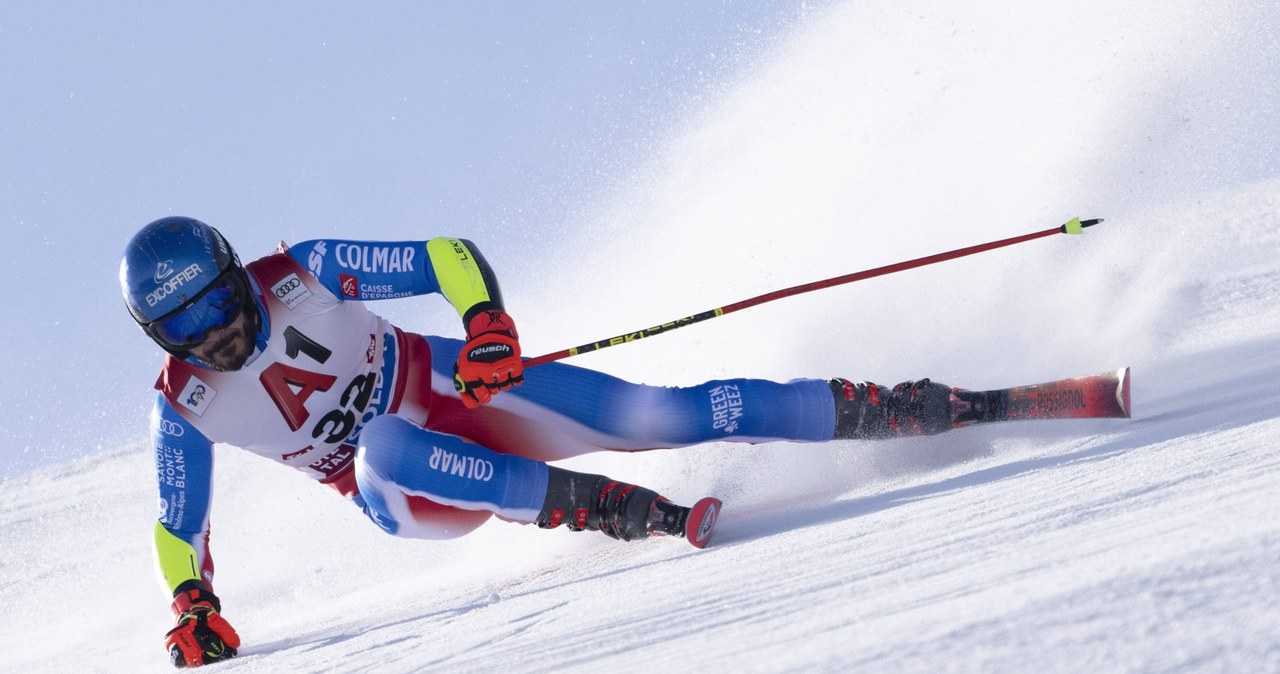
{"points": [[331, 384]]}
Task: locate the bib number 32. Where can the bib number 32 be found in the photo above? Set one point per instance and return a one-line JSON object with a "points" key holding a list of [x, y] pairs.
{"points": [[281, 380]]}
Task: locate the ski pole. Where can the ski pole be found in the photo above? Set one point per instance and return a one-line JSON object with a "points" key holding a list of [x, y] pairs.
{"points": [[1074, 226]]}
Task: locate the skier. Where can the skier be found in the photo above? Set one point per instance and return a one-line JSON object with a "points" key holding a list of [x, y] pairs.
{"points": [[280, 357]]}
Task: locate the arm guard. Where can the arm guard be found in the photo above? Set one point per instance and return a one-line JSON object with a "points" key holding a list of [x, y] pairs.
{"points": [[464, 276], [178, 560]]}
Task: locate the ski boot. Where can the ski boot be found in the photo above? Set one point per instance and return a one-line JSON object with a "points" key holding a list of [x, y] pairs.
{"points": [[620, 510], [866, 411], [978, 407]]}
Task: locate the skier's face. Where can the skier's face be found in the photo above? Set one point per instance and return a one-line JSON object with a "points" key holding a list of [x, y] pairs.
{"points": [[227, 348]]}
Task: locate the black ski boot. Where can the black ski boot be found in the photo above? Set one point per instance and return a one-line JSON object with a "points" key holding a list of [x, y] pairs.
{"points": [[867, 411], [978, 407], [620, 510]]}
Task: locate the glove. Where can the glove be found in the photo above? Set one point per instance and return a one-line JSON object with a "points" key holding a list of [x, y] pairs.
{"points": [[201, 635], [490, 360]]}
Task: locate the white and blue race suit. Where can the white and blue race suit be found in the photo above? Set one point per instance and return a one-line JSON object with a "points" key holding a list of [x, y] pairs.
{"points": [[341, 394]]}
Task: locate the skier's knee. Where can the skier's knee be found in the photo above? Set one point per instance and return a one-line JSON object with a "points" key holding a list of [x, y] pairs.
{"points": [[380, 440]]}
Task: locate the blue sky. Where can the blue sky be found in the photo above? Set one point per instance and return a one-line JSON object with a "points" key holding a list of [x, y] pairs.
{"points": [[539, 128], [500, 121]]}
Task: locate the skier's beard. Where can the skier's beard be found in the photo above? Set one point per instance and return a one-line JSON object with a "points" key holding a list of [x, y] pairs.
{"points": [[227, 349]]}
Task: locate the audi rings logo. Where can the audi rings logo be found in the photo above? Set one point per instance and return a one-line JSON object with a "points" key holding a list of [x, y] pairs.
{"points": [[287, 287], [290, 290], [171, 428]]}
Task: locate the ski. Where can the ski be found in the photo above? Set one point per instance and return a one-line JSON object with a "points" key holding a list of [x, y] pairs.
{"points": [[1100, 396]]}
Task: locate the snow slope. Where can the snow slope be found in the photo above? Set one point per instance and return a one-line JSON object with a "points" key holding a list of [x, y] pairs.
{"points": [[873, 135]]}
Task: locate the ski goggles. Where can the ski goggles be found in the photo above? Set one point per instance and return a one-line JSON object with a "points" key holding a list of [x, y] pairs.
{"points": [[213, 308]]}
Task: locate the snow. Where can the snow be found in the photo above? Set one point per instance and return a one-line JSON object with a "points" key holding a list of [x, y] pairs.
{"points": [[1140, 545]]}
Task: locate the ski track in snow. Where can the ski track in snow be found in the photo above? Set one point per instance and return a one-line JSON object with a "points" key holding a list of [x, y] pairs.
{"points": [[1147, 545]]}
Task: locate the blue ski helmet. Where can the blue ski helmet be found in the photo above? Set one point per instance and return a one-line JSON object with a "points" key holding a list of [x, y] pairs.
{"points": [[181, 280]]}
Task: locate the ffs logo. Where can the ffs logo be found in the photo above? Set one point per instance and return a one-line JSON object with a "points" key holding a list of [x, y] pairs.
{"points": [[163, 271]]}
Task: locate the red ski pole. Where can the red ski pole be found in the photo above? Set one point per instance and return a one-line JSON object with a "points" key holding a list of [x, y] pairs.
{"points": [[1074, 226]]}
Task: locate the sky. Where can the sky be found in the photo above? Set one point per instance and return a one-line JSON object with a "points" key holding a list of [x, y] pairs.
{"points": [[540, 132], [503, 122]]}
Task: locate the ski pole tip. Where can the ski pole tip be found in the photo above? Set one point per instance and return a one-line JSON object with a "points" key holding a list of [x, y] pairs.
{"points": [[1076, 225]]}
